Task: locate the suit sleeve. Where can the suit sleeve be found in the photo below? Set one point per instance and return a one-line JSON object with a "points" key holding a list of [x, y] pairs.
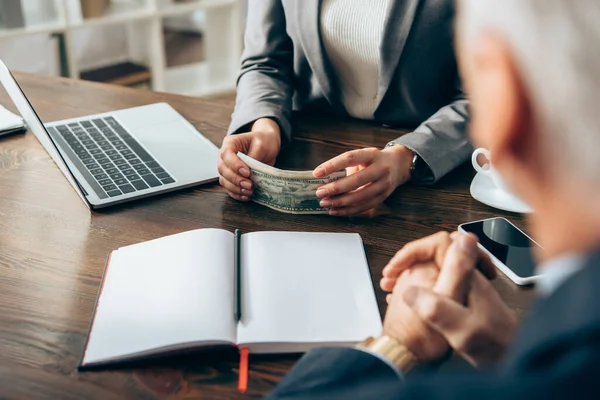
{"points": [[338, 373], [265, 83], [349, 374], [442, 140]]}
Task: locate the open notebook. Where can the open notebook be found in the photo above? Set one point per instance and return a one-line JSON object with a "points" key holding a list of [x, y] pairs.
{"points": [[297, 291]]}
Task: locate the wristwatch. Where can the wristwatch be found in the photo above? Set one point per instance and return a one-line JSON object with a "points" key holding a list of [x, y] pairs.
{"points": [[419, 170], [391, 349]]}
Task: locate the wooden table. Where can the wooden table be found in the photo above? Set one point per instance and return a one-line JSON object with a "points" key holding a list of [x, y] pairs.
{"points": [[53, 249]]}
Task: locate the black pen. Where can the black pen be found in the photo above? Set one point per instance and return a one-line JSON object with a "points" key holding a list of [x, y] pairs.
{"points": [[237, 243]]}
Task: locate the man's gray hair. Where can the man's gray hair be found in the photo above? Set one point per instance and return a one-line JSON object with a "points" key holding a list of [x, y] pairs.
{"points": [[556, 46]]}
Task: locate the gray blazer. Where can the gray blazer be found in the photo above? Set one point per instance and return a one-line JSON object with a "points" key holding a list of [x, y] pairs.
{"points": [[285, 68]]}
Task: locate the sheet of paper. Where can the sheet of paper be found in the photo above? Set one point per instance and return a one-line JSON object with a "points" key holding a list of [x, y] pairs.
{"points": [[9, 121], [170, 291], [306, 288]]}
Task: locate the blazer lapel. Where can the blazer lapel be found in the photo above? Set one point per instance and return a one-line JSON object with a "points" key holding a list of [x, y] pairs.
{"points": [[399, 21], [308, 13]]}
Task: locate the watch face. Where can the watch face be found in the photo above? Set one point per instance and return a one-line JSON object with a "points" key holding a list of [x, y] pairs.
{"points": [[413, 167], [420, 170]]}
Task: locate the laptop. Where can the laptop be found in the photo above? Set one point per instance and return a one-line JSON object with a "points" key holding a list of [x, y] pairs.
{"points": [[123, 155]]}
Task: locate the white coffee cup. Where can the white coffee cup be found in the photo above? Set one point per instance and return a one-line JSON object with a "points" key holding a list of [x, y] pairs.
{"points": [[487, 169]]}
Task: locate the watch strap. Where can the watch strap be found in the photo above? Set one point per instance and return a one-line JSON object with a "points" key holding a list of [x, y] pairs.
{"points": [[419, 170], [391, 349]]}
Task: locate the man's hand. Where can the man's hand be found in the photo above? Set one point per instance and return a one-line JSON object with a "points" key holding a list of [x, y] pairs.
{"points": [[453, 261], [404, 325], [480, 331], [262, 143], [373, 175], [434, 249]]}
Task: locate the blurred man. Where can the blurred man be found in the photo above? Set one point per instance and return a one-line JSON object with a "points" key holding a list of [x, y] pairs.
{"points": [[532, 69]]}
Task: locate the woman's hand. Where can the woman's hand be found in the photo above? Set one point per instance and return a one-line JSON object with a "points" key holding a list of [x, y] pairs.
{"points": [[373, 175], [262, 144]]}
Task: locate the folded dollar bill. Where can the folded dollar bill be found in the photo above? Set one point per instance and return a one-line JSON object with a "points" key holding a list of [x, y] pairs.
{"points": [[292, 192]]}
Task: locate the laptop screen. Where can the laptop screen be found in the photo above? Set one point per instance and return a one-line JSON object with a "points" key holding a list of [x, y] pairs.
{"points": [[36, 126]]}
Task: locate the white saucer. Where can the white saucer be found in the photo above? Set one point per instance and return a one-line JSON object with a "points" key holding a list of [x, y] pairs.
{"points": [[484, 189]]}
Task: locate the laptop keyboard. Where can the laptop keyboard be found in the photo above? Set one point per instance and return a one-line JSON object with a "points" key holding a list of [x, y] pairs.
{"points": [[113, 157]]}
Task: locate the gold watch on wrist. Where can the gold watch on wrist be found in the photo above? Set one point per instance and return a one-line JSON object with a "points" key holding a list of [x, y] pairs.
{"points": [[392, 350]]}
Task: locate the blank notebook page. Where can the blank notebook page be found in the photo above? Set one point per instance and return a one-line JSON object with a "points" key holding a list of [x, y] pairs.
{"points": [[306, 288], [169, 291]]}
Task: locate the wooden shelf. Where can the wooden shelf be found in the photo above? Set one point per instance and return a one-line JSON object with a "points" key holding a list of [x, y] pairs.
{"points": [[118, 13], [144, 22], [123, 74], [37, 22]]}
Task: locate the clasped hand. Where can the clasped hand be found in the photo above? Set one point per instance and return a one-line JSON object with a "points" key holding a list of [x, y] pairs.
{"points": [[440, 299]]}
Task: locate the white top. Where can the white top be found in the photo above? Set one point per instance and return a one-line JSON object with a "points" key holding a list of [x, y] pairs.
{"points": [[352, 31]]}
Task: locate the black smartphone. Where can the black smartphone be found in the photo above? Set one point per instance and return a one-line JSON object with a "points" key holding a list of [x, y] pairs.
{"points": [[510, 249]]}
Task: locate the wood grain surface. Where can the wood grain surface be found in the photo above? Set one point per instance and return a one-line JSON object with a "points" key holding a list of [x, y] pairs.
{"points": [[53, 249]]}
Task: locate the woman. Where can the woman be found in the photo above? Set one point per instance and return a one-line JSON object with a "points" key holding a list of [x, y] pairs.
{"points": [[390, 61]]}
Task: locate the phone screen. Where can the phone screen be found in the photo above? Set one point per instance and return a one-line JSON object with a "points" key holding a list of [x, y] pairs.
{"points": [[507, 243]]}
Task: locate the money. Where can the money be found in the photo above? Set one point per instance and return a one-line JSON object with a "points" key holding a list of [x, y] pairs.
{"points": [[292, 192]]}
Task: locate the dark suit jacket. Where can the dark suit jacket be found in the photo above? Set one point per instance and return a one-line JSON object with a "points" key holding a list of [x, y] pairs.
{"points": [[556, 355], [285, 68]]}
